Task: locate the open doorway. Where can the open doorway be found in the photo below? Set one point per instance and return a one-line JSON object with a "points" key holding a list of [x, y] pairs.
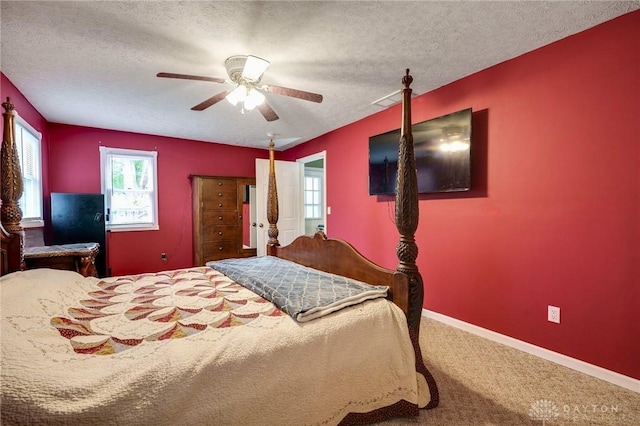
{"points": [[314, 204], [292, 218]]}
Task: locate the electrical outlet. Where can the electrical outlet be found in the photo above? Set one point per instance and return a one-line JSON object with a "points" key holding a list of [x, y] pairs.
{"points": [[163, 256], [553, 314]]}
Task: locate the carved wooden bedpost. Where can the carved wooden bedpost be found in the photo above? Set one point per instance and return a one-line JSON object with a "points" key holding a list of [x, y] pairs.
{"points": [[272, 203], [11, 178], [407, 210]]}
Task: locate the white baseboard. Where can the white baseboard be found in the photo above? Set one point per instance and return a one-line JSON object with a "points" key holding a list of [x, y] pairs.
{"points": [[575, 364]]}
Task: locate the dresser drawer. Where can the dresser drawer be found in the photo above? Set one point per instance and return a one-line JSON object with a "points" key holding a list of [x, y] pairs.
{"points": [[220, 250], [220, 233], [220, 193], [224, 202], [210, 185], [216, 218], [221, 204]]}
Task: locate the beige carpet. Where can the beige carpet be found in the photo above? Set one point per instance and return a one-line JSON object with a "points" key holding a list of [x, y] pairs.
{"points": [[486, 383]]}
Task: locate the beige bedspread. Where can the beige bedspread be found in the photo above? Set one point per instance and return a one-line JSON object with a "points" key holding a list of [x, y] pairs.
{"points": [[191, 347]]}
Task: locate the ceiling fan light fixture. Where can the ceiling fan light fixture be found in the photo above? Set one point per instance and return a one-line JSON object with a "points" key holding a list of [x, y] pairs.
{"points": [[254, 67], [237, 95], [253, 99], [248, 97]]}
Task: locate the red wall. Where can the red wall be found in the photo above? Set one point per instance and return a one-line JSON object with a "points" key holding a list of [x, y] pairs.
{"points": [[555, 213], [24, 108], [75, 167], [553, 218]]}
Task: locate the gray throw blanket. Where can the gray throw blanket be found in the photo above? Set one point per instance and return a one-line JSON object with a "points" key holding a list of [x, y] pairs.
{"points": [[303, 293]]}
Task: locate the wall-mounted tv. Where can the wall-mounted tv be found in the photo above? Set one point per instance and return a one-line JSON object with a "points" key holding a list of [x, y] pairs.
{"points": [[442, 149]]}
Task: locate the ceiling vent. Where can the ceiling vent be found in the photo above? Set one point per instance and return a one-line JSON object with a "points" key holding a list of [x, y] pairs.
{"points": [[390, 99]]}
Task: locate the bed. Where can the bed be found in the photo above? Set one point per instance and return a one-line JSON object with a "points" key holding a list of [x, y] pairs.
{"points": [[226, 343]]}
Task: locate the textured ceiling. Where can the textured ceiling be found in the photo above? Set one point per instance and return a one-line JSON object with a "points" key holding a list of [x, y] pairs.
{"points": [[94, 63]]}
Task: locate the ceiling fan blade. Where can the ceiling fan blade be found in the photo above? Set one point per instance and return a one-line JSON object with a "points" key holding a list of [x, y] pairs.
{"points": [[267, 112], [190, 77], [294, 93], [211, 101]]}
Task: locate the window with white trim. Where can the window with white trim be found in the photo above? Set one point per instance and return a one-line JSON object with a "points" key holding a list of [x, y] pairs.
{"points": [[313, 197], [130, 187], [29, 147]]}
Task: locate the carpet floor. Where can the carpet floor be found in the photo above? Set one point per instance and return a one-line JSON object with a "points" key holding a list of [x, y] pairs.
{"points": [[482, 382]]}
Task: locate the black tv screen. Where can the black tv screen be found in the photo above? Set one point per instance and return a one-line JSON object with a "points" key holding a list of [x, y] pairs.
{"points": [[442, 149]]}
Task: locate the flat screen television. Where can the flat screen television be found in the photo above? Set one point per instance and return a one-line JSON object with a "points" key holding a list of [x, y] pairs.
{"points": [[442, 149]]}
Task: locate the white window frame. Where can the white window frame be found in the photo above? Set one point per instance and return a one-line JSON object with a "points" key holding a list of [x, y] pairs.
{"points": [[318, 176], [20, 126], [106, 181]]}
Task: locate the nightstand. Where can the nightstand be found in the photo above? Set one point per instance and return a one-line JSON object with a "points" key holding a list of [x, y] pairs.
{"points": [[78, 257]]}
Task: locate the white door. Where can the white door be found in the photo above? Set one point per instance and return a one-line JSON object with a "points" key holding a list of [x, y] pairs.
{"points": [[253, 234], [288, 185]]}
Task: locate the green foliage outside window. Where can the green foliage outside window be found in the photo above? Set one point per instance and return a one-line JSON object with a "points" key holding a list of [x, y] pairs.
{"points": [[127, 173]]}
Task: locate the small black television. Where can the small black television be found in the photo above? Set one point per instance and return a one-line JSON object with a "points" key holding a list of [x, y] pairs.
{"points": [[442, 148]]}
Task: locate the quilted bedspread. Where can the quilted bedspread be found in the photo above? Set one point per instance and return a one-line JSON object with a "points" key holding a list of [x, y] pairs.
{"points": [[191, 347]]}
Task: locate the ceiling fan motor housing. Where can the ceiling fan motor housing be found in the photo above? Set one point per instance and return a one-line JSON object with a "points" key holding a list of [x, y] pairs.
{"points": [[235, 65]]}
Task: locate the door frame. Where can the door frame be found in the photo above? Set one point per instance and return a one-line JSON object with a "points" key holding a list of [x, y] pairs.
{"points": [[322, 155]]}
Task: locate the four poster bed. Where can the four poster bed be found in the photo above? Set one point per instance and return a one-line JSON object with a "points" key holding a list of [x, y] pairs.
{"points": [[228, 343]]}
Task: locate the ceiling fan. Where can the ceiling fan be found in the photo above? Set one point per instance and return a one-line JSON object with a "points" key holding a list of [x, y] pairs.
{"points": [[246, 71]]}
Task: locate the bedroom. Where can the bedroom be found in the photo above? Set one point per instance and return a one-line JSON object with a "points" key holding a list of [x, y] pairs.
{"points": [[553, 219]]}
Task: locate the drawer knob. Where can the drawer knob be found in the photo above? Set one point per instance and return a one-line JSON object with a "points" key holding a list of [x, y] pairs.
{"points": [[219, 194], [220, 248], [219, 204], [219, 183], [219, 232], [219, 217]]}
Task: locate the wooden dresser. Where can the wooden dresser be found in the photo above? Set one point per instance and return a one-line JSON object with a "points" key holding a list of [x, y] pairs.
{"points": [[218, 220]]}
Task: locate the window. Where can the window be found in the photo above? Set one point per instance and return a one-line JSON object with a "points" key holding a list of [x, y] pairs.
{"points": [[28, 145], [129, 185], [312, 197]]}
